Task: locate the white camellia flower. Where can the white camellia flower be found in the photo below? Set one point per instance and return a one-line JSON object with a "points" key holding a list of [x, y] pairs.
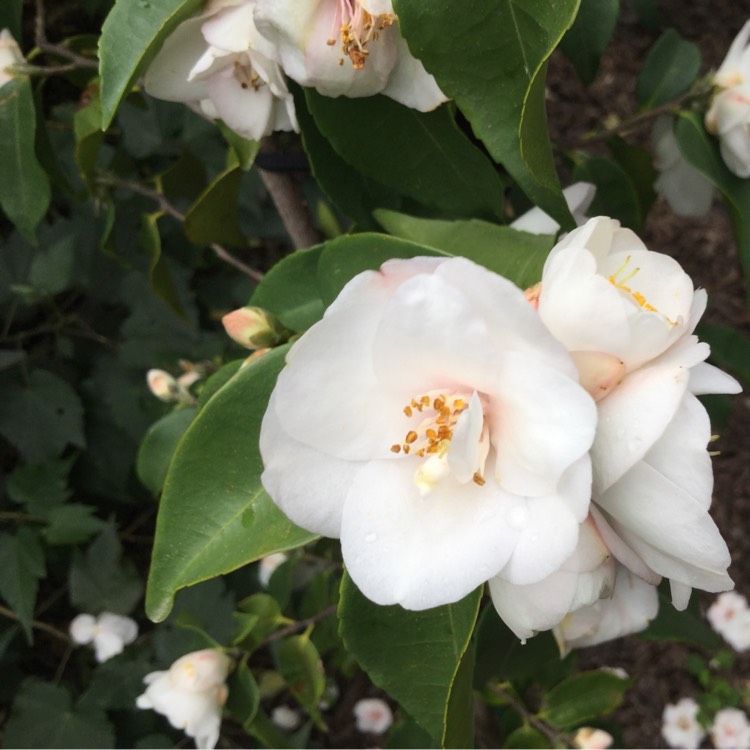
{"points": [[373, 715], [10, 54], [219, 63], [285, 718], [109, 633], [578, 196], [688, 191], [191, 695], [729, 114], [729, 616], [633, 603], [730, 730], [347, 48], [431, 422], [627, 316], [679, 724], [268, 565]]}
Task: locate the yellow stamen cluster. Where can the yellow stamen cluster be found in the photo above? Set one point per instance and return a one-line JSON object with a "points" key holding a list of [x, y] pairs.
{"points": [[246, 76], [437, 428], [357, 30], [621, 284]]}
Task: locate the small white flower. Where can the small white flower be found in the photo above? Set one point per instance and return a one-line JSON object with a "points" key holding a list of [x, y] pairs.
{"points": [[730, 730], [109, 633], [724, 610], [285, 718], [191, 695], [578, 196], [688, 191], [10, 54], [590, 738], [268, 565], [373, 715], [679, 725], [169, 389]]}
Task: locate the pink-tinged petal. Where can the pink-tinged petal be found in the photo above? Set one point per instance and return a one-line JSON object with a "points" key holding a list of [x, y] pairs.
{"points": [[378, 7], [167, 76], [632, 418], [410, 84], [598, 372], [705, 378], [423, 551], [309, 486]]}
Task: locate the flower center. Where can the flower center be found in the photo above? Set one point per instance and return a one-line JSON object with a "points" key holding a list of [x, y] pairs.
{"points": [[434, 435], [246, 76], [357, 28], [639, 299]]}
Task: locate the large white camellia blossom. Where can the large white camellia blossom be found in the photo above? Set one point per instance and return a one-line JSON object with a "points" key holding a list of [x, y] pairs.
{"points": [[627, 316], [432, 423], [729, 114], [191, 694], [109, 633], [688, 191], [347, 48], [219, 63]]}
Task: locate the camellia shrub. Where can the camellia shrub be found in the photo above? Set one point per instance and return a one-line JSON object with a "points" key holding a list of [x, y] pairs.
{"points": [[329, 418]]}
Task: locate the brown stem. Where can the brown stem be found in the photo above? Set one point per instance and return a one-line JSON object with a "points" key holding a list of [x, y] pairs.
{"points": [[528, 717], [301, 625], [10, 614], [41, 41]]}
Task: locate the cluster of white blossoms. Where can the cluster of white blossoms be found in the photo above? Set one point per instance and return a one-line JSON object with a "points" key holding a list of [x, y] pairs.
{"points": [[231, 61], [729, 616], [729, 114], [108, 633], [680, 728], [191, 694], [453, 430]]}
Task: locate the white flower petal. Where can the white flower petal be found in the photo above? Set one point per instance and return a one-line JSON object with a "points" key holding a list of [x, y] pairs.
{"points": [[410, 84]]}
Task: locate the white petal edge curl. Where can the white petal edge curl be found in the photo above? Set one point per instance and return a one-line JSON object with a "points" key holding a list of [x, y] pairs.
{"points": [[705, 379], [410, 84]]}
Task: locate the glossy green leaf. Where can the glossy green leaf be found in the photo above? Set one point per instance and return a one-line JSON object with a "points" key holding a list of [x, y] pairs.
{"points": [[422, 155], [519, 256], [21, 567], [131, 36], [730, 349], [300, 665], [219, 379], [24, 187], [526, 737], [588, 37], [158, 446], [459, 714], [414, 656], [616, 196], [670, 68], [702, 151], [290, 290], [583, 697], [499, 84], [244, 695], [43, 715], [214, 515], [213, 216], [159, 275], [258, 617]]}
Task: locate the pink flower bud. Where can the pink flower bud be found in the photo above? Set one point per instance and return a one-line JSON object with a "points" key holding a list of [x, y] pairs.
{"points": [[162, 385], [252, 327]]}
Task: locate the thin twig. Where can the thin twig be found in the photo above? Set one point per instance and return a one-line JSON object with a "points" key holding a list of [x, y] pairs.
{"points": [[290, 203], [43, 626], [41, 41], [301, 625], [168, 208], [528, 717]]}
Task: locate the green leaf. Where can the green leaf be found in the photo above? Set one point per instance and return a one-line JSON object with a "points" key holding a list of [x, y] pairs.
{"points": [[258, 617], [219, 379], [730, 349], [159, 275], [290, 291], [115, 683], [21, 567], [43, 715], [41, 416], [131, 36], [583, 697], [408, 734], [637, 162], [213, 216], [41, 487], [10, 17], [459, 714], [24, 188], [499, 83], [218, 462], [244, 695], [299, 663], [670, 68], [588, 37], [158, 446], [102, 580], [616, 195], [702, 151], [422, 155], [243, 150], [519, 256], [414, 656], [89, 136], [72, 523], [526, 737]]}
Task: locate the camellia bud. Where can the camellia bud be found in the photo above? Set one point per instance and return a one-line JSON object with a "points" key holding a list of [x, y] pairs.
{"points": [[10, 54], [253, 328], [162, 385]]}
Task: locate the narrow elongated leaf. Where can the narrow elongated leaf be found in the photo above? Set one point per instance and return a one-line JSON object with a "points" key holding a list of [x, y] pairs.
{"points": [[414, 656], [21, 567], [588, 37], [160, 277], [244, 695], [131, 37], [299, 663], [214, 515], [24, 187], [499, 82], [422, 155], [669, 70]]}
